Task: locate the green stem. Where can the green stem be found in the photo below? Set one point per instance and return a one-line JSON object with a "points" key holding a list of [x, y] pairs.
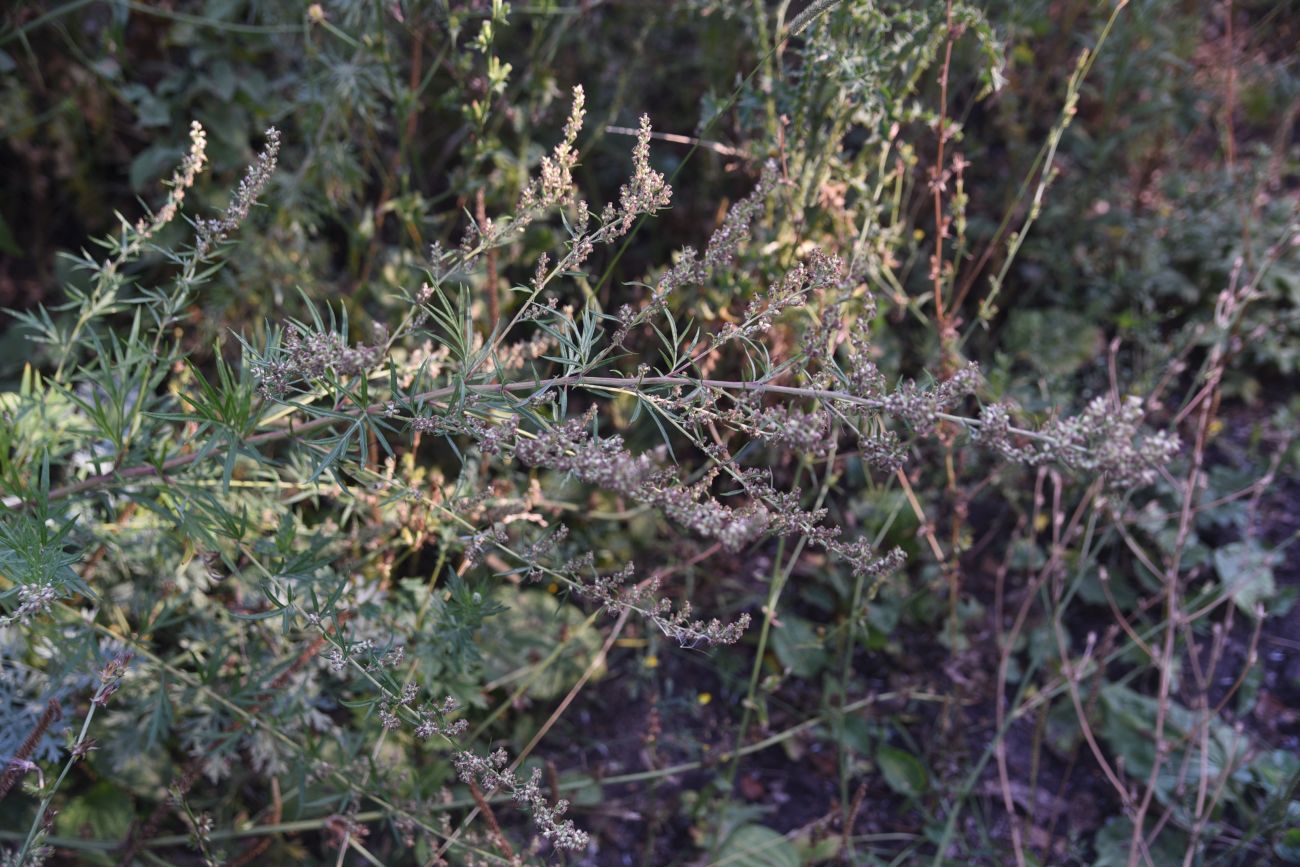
{"points": [[611, 383], [37, 820]]}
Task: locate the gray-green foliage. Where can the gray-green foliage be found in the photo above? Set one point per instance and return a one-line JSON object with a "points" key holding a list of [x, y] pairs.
{"points": [[298, 484]]}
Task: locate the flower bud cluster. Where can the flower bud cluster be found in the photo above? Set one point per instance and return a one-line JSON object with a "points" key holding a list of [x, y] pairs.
{"points": [[921, 407], [492, 774], [1103, 438], [807, 433], [33, 600], [645, 192], [555, 185], [255, 180], [615, 594], [308, 355], [568, 447]]}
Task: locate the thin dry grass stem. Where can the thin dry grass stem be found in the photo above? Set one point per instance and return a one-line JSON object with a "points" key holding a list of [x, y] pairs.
{"points": [[409, 128], [596, 664], [1074, 672], [927, 528], [1103, 578], [1175, 368], [673, 138], [345, 842], [665, 571], [1204, 677], [1203, 673], [1206, 402], [1252, 658], [1134, 546], [938, 183], [494, 827], [851, 819], [1072, 677], [553, 779], [1062, 532], [1245, 208], [1035, 769], [1196, 403], [1260, 486], [959, 496], [1095, 685], [1206, 801], [1164, 661]]}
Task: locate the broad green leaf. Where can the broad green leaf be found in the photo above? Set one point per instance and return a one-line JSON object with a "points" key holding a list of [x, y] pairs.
{"points": [[101, 812], [903, 771], [798, 647], [757, 846], [1287, 846], [519, 644], [1246, 571], [1112, 844], [151, 164]]}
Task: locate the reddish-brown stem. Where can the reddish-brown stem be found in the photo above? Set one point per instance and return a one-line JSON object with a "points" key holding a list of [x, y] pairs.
{"points": [[494, 827], [14, 772], [937, 184]]}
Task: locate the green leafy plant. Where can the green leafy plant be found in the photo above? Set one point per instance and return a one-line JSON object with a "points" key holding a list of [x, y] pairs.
{"points": [[330, 505]]}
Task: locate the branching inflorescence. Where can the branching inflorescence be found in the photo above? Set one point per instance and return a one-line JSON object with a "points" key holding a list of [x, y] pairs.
{"points": [[539, 400]]}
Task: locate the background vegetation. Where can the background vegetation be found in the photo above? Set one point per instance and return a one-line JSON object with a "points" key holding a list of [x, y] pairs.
{"points": [[388, 480]]}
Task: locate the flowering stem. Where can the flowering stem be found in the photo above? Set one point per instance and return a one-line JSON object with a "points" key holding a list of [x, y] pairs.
{"points": [[569, 785], [595, 382], [37, 820]]}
